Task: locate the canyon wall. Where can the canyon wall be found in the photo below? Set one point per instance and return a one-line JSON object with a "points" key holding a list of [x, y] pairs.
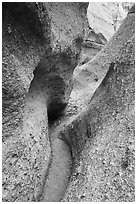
{"points": [[42, 44], [39, 55], [102, 136]]}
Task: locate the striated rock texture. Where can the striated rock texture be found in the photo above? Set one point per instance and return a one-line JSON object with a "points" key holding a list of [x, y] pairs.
{"points": [[39, 55], [102, 136], [86, 75], [105, 17]]}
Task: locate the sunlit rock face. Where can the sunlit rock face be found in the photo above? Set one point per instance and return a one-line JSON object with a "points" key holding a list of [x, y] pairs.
{"points": [[104, 20], [105, 17]]}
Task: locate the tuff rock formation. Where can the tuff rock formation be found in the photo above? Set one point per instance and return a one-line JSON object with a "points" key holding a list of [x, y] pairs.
{"points": [[41, 48], [104, 19], [95, 70], [102, 135], [39, 55]]}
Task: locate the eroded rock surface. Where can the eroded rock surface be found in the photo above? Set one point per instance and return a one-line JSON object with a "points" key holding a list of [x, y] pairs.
{"points": [[39, 55], [102, 136], [105, 17], [93, 71]]}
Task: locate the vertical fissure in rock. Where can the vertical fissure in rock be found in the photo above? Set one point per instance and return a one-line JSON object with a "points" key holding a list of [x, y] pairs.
{"points": [[59, 169]]}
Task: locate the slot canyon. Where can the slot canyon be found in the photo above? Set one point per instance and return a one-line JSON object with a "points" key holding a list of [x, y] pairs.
{"points": [[68, 102]]}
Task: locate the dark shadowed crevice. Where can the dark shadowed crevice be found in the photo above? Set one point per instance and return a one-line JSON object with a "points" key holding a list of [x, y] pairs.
{"points": [[59, 170], [55, 111], [53, 84]]}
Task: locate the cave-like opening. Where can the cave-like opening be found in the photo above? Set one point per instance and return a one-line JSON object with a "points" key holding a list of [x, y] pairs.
{"points": [[52, 88]]}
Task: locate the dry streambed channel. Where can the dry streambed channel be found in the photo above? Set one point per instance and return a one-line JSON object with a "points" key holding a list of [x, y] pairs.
{"points": [[60, 169], [61, 162]]}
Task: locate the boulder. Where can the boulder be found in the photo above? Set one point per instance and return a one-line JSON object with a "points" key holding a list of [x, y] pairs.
{"points": [[39, 55], [102, 136]]}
